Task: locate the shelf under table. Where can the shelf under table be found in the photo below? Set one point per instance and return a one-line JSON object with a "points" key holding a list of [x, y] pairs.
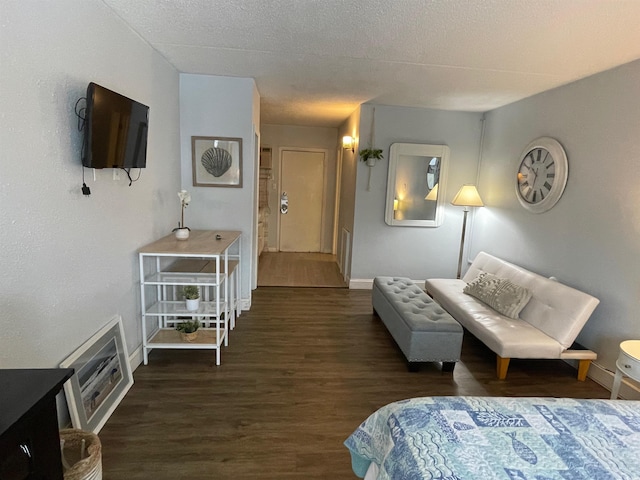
{"points": [[171, 338], [207, 339], [179, 309], [182, 278]]}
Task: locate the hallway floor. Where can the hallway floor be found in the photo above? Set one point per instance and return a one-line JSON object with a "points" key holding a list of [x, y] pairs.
{"points": [[292, 269]]}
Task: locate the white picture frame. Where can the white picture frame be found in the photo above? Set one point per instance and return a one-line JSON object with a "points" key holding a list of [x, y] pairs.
{"points": [[216, 161], [102, 377]]}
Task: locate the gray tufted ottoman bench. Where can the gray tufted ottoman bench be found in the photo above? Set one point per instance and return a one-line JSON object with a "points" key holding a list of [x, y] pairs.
{"points": [[423, 330]]}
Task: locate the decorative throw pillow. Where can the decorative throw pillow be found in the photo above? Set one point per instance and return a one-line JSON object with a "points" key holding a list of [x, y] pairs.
{"points": [[501, 294]]}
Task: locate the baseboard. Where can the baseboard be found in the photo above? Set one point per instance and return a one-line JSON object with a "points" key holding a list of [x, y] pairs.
{"points": [[604, 377], [135, 358], [367, 283], [360, 284]]}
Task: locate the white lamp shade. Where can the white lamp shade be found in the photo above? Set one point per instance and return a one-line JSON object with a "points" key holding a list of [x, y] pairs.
{"points": [[468, 196], [433, 193], [347, 141]]}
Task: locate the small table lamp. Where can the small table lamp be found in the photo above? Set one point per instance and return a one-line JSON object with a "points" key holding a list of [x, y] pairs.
{"points": [[468, 196]]}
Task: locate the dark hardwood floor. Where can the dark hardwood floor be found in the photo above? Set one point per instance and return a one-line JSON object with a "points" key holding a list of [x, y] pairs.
{"points": [[304, 367]]}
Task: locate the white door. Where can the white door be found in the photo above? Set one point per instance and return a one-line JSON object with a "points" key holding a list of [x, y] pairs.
{"points": [[302, 180]]}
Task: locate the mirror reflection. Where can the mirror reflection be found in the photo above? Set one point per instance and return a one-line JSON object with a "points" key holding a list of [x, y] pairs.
{"points": [[416, 174]]}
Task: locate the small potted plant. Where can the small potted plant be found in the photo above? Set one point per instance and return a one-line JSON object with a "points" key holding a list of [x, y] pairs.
{"points": [[188, 329], [182, 232], [370, 155], [192, 296]]}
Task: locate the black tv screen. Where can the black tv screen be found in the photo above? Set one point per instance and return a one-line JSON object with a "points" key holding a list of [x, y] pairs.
{"points": [[116, 130]]}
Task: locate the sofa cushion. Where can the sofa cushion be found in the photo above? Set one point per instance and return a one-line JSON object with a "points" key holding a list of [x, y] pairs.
{"points": [[501, 294]]}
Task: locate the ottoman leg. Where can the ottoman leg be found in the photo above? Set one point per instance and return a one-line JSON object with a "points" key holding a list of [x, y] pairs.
{"points": [[413, 366], [448, 366]]}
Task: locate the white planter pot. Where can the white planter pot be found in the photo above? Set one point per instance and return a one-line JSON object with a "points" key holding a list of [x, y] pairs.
{"points": [[371, 162], [182, 233], [193, 305]]}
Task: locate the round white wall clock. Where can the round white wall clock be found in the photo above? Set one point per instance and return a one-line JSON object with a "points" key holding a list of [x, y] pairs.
{"points": [[542, 174]]}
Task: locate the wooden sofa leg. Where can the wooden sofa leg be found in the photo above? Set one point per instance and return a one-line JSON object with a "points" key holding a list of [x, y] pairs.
{"points": [[502, 365], [583, 368]]}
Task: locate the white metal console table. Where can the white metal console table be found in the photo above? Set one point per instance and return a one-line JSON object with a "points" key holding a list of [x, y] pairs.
{"points": [[208, 259]]}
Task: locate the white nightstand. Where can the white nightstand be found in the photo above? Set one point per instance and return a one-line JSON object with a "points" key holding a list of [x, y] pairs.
{"points": [[628, 364]]}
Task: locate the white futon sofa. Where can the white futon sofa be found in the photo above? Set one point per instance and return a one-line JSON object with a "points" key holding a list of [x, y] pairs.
{"points": [[546, 327]]}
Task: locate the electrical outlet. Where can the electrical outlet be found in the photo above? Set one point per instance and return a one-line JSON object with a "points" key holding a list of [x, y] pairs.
{"points": [[116, 174]]}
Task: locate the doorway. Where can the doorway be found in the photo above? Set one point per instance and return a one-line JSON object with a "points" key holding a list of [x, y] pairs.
{"points": [[301, 231]]}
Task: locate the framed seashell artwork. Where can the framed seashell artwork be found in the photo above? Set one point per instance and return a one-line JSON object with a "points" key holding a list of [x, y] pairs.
{"points": [[217, 161]]}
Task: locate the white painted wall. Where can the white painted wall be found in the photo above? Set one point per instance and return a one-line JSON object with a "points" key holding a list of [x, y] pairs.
{"points": [[414, 252], [591, 238], [69, 262], [316, 138], [214, 106]]}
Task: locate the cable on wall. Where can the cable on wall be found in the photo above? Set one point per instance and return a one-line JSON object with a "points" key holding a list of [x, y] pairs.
{"points": [[128, 172], [82, 122]]}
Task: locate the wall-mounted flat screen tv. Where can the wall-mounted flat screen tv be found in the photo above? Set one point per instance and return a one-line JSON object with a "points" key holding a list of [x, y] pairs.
{"points": [[116, 130]]}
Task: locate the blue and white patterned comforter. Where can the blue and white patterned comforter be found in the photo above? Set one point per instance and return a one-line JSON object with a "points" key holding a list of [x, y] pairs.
{"points": [[483, 438]]}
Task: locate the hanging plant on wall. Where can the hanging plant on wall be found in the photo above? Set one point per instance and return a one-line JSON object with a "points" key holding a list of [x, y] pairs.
{"points": [[371, 155]]}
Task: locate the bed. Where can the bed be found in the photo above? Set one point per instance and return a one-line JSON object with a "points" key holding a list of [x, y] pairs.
{"points": [[469, 438]]}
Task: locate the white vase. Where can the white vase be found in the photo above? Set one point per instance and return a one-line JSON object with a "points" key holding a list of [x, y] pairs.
{"points": [[371, 162], [193, 304], [182, 233]]}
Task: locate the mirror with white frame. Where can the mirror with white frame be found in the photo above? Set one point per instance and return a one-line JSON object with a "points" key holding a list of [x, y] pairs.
{"points": [[416, 185]]}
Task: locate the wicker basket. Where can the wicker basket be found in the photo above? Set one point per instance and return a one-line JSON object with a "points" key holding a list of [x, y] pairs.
{"points": [[81, 455], [189, 337]]}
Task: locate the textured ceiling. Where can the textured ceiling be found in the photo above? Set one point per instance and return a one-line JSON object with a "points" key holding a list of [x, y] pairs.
{"points": [[315, 61]]}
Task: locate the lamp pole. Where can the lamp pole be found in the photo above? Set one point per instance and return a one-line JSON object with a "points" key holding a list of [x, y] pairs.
{"points": [[464, 228], [466, 197]]}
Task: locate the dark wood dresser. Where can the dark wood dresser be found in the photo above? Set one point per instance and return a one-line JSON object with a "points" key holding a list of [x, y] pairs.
{"points": [[29, 438]]}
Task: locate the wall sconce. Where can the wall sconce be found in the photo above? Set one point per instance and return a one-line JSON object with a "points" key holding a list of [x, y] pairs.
{"points": [[349, 143], [395, 204], [468, 196]]}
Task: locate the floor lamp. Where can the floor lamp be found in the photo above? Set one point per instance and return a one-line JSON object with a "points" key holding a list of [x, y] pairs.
{"points": [[468, 196]]}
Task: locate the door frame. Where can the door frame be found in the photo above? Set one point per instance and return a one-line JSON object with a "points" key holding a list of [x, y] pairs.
{"points": [[336, 205], [323, 214]]}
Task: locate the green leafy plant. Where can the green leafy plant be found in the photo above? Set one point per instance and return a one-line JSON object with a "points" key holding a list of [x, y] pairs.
{"points": [[191, 292], [368, 153], [188, 326]]}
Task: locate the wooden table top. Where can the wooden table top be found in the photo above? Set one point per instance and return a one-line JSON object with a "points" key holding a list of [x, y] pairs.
{"points": [[200, 242]]}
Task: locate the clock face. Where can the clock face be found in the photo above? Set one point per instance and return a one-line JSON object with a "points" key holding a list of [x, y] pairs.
{"points": [[536, 175], [542, 175]]}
